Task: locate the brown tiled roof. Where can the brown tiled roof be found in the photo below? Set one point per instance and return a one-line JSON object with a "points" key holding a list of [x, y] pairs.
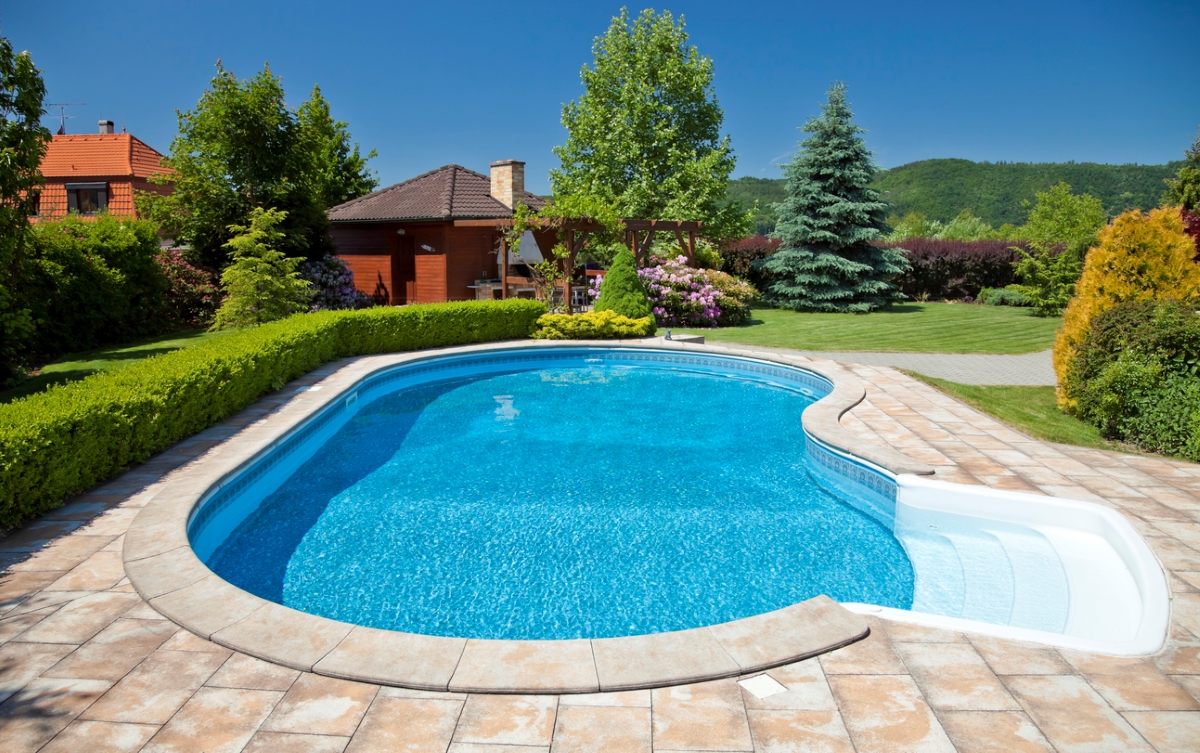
{"points": [[100, 155], [450, 192]]}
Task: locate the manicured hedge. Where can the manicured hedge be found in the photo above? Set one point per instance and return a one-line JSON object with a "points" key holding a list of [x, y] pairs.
{"points": [[954, 269], [594, 325], [66, 440]]}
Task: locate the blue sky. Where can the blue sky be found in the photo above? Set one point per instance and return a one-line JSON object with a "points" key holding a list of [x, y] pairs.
{"points": [[471, 82]]}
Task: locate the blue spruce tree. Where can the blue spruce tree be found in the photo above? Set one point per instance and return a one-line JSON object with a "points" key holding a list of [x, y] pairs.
{"points": [[826, 261]]}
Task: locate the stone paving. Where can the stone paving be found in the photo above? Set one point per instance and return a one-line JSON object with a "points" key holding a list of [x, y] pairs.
{"points": [[86, 665]]}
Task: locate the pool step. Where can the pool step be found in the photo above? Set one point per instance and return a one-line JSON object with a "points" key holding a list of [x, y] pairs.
{"points": [[1005, 576]]}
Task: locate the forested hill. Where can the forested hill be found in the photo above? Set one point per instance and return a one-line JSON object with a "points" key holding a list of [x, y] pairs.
{"points": [[995, 191]]}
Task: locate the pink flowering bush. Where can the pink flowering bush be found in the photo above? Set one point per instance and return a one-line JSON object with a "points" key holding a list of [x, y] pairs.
{"points": [[192, 296], [680, 296]]}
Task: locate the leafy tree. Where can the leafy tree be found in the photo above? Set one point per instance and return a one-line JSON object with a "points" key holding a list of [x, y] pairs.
{"points": [[622, 290], [826, 261], [23, 143], [1184, 190], [645, 136], [262, 284], [1061, 228], [243, 148]]}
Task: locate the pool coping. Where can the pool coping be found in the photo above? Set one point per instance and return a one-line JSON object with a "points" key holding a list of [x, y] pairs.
{"points": [[164, 570]]}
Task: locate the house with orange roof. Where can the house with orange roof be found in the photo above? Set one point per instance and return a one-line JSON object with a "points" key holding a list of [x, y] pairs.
{"points": [[88, 173]]}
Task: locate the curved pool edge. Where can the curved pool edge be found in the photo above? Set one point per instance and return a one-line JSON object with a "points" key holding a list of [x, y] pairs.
{"points": [[165, 571]]}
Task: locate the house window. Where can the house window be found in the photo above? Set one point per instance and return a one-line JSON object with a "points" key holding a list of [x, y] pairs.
{"points": [[35, 207], [87, 198]]}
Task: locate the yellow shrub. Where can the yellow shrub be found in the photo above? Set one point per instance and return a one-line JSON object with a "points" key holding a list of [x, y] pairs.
{"points": [[594, 325], [1139, 257]]}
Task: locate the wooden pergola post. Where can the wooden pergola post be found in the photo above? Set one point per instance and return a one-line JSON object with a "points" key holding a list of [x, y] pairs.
{"points": [[503, 267]]}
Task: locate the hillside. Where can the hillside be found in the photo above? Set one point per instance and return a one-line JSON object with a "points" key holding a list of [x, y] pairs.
{"points": [[995, 191]]}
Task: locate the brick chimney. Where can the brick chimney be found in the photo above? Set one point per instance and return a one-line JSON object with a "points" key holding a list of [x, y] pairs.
{"points": [[106, 126], [508, 181]]}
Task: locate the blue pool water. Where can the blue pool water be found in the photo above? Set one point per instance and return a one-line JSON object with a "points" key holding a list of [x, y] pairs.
{"points": [[592, 500]]}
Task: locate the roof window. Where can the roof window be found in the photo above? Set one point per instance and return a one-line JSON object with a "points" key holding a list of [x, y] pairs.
{"points": [[87, 198]]}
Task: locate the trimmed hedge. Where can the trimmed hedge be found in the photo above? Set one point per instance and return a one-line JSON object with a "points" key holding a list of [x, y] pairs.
{"points": [[946, 269], [70, 438], [594, 325]]}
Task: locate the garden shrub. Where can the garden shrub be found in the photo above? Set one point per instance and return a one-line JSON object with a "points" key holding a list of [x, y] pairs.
{"points": [[594, 325], [1001, 297], [69, 438], [952, 269], [735, 300], [192, 294], [261, 285], [622, 290], [94, 282], [332, 285], [743, 258], [1138, 257], [681, 296]]}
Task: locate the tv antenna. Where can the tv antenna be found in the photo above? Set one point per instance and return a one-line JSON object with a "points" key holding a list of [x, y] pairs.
{"points": [[63, 117]]}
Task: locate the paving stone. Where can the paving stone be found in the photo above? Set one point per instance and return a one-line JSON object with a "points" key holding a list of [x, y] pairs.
{"points": [[318, 705], [406, 725], [1017, 658], [886, 713], [873, 655], [81, 619], [41, 709], [63, 554], [100, 737], [185, 641], [22, 662], [952, 676], [16, 586], [993, 732], [705, 716], [644, 660], [798, 731], [241, 671], [1131, 684], [214, 720], [1168, 731], [101, 571], [284, 636], [581, 729], [908, 632], [156, 688], [637, 698], [806, 686], [114, 651], [419, 661], [287, 742], [1073, 716], [11, 627], [507, 719]]}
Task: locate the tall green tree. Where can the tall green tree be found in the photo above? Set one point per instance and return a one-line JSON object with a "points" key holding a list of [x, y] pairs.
{"points": [[23, 143], [826, 224], [243, 148], [645, 136], [1184, 190], [262, 284], [1062, 226]]}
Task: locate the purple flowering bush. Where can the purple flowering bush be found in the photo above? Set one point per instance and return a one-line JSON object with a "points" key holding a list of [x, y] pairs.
{"points": [[332, 285], [680, 296]]}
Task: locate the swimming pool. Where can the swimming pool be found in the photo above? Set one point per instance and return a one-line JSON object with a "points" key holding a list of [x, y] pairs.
{"points": [[579, 493]]}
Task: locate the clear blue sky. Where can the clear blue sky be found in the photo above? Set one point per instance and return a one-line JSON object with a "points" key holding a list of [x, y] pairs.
{"points": [[471, 82]]}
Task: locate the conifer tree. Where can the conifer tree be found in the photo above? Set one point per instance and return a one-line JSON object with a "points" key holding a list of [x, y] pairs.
{"points": [[826, 224], [261, 284], [622, 290]]}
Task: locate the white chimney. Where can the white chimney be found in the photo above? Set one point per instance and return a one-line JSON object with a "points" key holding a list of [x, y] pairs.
{"points": [[508, 181], [106, 126]]}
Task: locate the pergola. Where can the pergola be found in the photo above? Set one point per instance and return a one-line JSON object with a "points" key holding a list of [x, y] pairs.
{"points": [[639, 234]]}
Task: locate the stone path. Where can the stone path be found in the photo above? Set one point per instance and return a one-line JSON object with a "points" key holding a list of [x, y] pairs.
{"points": [[1033, 369], [86, 665]]}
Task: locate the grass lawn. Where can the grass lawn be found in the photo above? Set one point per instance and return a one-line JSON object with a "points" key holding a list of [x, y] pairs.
{"points": [[79, 365], [910, 328], [1030, 409]]}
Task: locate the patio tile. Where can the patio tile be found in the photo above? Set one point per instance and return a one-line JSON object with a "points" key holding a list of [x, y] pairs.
{"points": [[208, 605], [953, 677], [1186, 611], [185, 641], [1132, 684], [886, 713], [901, 632], [166, 572], [581, 729], [435, 695], [642, 660], [22, 662], [386, 656], [286, 636], [1168, 731], [798, 731], [100, 737], [480, 748], [288, 742], [703, 716], [993, 732], [1173, 554], [1181, 655], [807, 689], [113, 522], [317, 705], [16, 586], [41, 709], [114, 651], [81, 619], [11, 627], [526, 667], [101, 571], [872, 655], [214, 720], [507, 719], [156, 688], [632, 698], [241, 671], [62, 554], [1016, 658], [795, 632], [1073, 716]]}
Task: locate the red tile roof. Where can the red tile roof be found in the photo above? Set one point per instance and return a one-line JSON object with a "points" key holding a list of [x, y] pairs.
{"points": [[100, 155], [449, 192]]}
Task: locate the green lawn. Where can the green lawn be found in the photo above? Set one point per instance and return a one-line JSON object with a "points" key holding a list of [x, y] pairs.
{"points": [[1030, 409], [79, 365], [911, 328]]}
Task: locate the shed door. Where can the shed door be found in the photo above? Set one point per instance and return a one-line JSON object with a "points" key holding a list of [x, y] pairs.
{"points": [[430, 278]]}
